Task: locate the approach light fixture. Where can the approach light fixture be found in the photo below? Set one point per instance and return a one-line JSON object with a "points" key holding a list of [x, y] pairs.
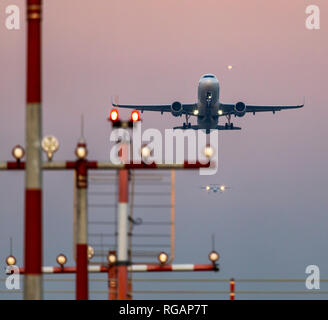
{"points": [[18, 152], [81, 151], [91, 252], [11, 260], [208, 151], [61, 259], [195, 112], [213, 256], [50, 145], [208, 188], [111, 258], [220, 112], [162, 258], [222, 188]]}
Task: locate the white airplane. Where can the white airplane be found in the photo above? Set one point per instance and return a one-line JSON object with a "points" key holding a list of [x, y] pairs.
{"points": [[208, 109]]}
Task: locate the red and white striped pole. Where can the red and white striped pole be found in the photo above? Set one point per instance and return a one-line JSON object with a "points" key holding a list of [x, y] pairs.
{"points": [[122, 237], [138, 268], [33, 173], [82, 227], [232, 289]]}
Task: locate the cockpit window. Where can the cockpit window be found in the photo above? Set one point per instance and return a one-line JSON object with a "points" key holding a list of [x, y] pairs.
{"points": [[208, 76]]}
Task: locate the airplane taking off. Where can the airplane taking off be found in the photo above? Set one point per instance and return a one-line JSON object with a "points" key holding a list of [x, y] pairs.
{"points": [[208, 109], [215, 188]]}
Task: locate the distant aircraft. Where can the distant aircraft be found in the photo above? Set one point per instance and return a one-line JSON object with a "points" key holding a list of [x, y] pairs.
{"points": [[208, 109], [215, 188]]}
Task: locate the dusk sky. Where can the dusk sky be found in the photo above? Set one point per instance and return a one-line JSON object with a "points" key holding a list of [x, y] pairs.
{"points": [[273, 222]]}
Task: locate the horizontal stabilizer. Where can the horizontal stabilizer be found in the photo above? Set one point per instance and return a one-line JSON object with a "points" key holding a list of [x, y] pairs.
{"points": [[227, 128], [217, 128], [188, 128]]}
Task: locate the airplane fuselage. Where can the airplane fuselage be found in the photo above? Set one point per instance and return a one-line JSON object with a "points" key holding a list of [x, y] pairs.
{"points": [[208, 102]]}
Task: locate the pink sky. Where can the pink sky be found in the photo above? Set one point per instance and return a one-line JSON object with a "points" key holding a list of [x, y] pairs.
{"points": [[149, 51]]}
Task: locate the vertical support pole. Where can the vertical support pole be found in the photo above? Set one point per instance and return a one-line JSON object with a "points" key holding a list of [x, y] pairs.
{"points": [[112, 284], [131, 203], [232, 289], [122, 244], [82, 231], [74, 213], [129, 293], [33, 174], [172, 216]]}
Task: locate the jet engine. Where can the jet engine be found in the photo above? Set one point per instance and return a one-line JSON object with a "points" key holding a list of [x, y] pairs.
{"points": [[176, 109], [240, 109]]}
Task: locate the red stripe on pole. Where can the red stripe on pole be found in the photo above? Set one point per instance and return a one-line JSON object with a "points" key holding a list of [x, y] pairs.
{"points": [[157, 268], [112, 283], [205, 267], [196, 165], [122, 282], [140, 166], [33, 231], [70, 164], [82, 272], [64, 270], [82, 174], [92, 164], [123, 186], [17, 165], [232, 289]]}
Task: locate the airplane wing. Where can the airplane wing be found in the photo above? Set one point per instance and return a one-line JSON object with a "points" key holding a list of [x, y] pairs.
{"points": [[187, 107], [230, 108]]}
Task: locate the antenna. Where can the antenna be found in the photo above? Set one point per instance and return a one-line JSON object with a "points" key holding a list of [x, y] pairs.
{"points": [[11, 246], [82, 126], [82, 138]]}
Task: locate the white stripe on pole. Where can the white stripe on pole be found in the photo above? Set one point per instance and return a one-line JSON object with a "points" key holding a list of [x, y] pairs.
{"points": [[137, 268], [122, 254], [48, 269], [182, 267], [93, 268]]}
